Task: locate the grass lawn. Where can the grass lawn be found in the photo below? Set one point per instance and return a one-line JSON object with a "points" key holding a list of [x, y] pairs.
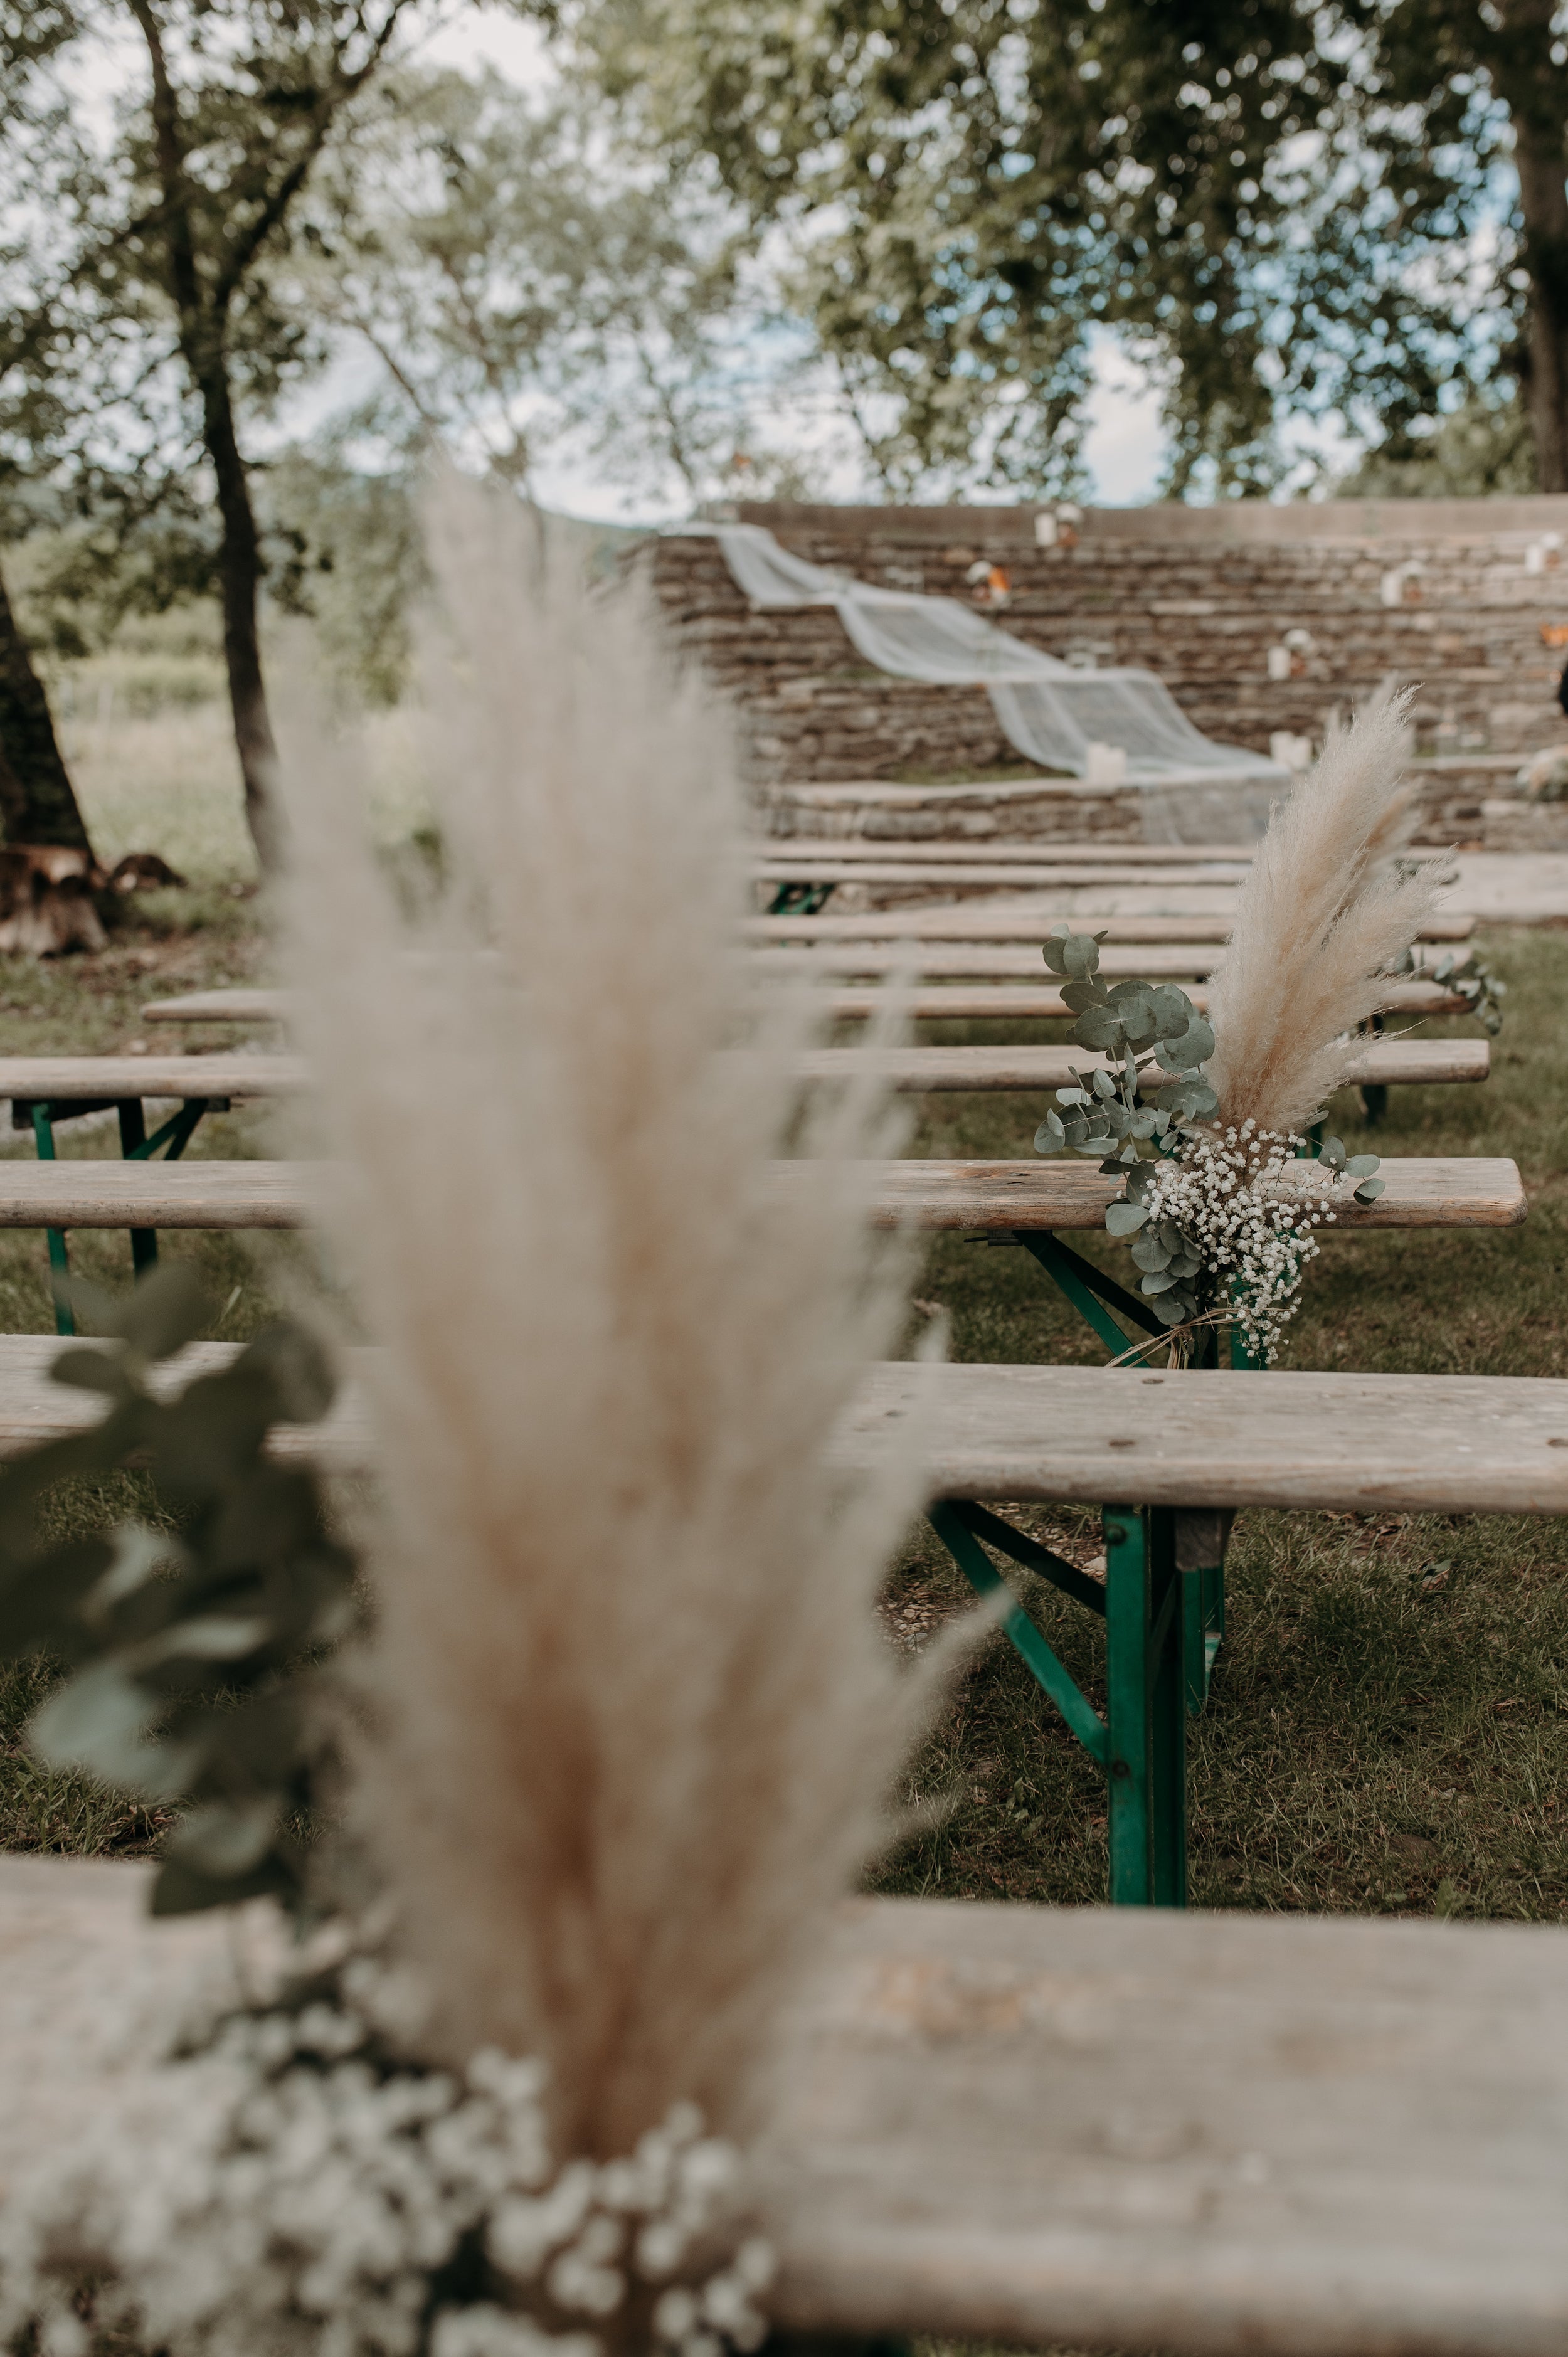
{"points": [[1389, 1728]]}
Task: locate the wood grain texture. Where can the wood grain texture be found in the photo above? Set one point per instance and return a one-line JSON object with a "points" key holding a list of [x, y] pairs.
{"points": [[816, 867], [993, 1196], [222, 1007], [1436, 1444], [1157, 961], [977, 922], [1389, 1062], [1310, 2137], [35, 1077], [1046, 1002], [1316, 2138], [996, 1001], [1043, 851], [1429, 1444], [996, 1196]]}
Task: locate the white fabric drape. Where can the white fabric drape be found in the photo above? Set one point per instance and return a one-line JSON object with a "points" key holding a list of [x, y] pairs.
{"points": [[1194, 791]]}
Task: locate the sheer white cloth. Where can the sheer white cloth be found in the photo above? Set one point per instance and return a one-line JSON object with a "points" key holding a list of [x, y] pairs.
{"points": [[1194, 791]]}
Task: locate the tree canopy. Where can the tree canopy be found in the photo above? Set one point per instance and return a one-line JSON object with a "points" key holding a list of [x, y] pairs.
{"points": [[1296, 208]]}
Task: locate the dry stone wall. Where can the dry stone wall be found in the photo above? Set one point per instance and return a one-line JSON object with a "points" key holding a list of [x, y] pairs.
{"points": [[1198, 595]]}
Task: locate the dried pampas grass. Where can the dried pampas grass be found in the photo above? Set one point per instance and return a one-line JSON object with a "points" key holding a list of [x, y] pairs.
{"points": [[636, 1722], [1320, 916]]}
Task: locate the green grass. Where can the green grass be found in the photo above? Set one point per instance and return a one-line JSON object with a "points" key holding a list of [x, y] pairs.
{"points": [[1384, 1735]]}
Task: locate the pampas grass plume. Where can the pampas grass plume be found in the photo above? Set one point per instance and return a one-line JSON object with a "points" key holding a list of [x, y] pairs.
{"points": [[636, 1722], [1320, 916]]}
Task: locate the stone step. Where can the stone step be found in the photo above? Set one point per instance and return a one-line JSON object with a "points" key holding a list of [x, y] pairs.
{"points": [[1467, 798]]}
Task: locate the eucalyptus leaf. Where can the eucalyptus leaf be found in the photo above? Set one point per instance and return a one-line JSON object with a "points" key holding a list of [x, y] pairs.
{"points": [[100, 1720], [167, 1309], [227, 1838], [1368, 1190], [1055, 956], [1362, 1165], [1172, 1010], [1148, 1252], [1081, 996], [1050, 1137], [1098, 1028], [1124, 1219], [1332, 1153], [1158, 1280], [87, 1370], [1080, 955]]}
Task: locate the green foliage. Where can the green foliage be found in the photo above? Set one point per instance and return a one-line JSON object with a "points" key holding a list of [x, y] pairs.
{"points": [[184, 1652], [1151, 1031], [1292, 208]]}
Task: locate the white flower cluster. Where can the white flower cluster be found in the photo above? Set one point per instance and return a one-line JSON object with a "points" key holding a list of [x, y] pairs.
{"points": [[1246, 1208], [289, 2192]]}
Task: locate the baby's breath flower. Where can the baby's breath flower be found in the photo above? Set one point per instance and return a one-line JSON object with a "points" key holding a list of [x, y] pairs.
{"points": [[298, 2185]]}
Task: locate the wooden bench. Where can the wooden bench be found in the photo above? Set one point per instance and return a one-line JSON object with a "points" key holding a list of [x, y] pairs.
{"points": [[994, 1198], [1011, 923], [941, 850], [972, 960], [1038, 2127], [1189, 1448], [994, 1002], [1379, 1062]]}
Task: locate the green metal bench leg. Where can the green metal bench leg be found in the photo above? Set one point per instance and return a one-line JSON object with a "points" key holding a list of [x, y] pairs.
{"points": [[1147, 1709], [133, 1145], [59, 1260]]}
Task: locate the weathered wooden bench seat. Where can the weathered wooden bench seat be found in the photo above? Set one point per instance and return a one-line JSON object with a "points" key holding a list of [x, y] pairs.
{"points": [[1064, 2126], [1152, 962], [1041, 1001], [995, 1198], [1011, 923], [1378, 1063], [942, 850], [1187, 1447], [1041, 2127], [68, 1083]]}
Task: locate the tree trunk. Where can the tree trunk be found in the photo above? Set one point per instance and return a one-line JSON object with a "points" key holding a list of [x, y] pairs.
{"points": [[1543, 200], [240, 571], [36, 804]]}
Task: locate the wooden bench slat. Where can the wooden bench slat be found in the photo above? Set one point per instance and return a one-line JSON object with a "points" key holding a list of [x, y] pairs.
{"points": [[952, 1002], [1026, 851], [1043, 2126], [1044, 877], [1042, 1001], [62, 1077], [981, 923], [993, 1196], [1384, 1062], [1340, 1442], [92, 1078]]}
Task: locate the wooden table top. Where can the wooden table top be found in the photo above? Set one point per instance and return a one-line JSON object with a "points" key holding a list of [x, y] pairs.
{"points": [[992, 1196], [1045, 2126]]}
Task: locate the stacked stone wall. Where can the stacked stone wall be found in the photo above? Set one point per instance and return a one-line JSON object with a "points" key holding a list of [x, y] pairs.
{"points": [[1198, 596]]}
